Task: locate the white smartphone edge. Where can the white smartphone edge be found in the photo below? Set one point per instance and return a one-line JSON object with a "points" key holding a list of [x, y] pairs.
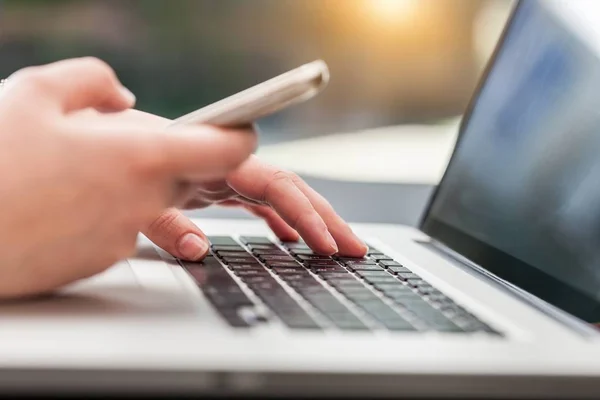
{"points": [[271, 96]]}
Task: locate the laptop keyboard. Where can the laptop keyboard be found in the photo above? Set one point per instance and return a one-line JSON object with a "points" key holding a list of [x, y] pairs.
{"points": [[303, 290]]}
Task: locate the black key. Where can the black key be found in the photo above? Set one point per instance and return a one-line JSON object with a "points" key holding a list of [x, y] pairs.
{"points": [[222, 241], [374, 253], [331, 266], [295, 277], [227, 297], [437, 293], [273, 258], [386, 315], [241, 253], [252, 263], [390, 263], [302, 285], [288, 310], [265, 287], [240, 260], [273, 294], [402, 299], [379, 273], [209, 268], [398, 270], [236, 247], [393, 291], [299, 321], [246, 267], [470, 323], [386, 286], [334, 310], [407, 275], [325, 270], [273, 252], [353, 289], [307, 252], [259, 279], [292, 264], [335, 276], [290, 271], [234, 319], [453, 309], [359, 296], [438, 321], [414, 304], [365, 268], [320, 263], [398, 324], [221, 290], [426, 289], [380, 257], [414, 282], [326, 303], [347, 322], [361, 262], [378, 309], [434, 318], [255, 240], [252, 272], [342, 284], [373, 280], [313, 257], [349, 259], [296, 245], [263, 247], [208, 260]]}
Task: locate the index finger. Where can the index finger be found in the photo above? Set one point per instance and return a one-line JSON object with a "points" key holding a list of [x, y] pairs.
{"points": [[77, 84], [194, 153]]}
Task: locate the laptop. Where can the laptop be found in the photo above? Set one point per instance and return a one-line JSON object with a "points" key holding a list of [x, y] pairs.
{"points": [[497, 292]]}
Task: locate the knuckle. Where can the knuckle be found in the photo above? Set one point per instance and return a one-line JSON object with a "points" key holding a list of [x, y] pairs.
{"points": [[97, 66], [278, 178], [246, 142], [32, 79], [297, 222], [149, 159], [98, 70], [163, 222], [294, 177], [282, 175]]}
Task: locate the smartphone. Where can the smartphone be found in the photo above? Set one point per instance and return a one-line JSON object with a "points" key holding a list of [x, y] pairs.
{"points": [[269, 97]]}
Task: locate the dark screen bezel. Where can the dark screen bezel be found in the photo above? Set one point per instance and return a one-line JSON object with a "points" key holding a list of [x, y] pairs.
{"points": [[501, 264]]}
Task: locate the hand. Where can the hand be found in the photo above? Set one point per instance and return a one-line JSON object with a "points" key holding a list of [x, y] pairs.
{"points": [[75, 195], [288, 205]]}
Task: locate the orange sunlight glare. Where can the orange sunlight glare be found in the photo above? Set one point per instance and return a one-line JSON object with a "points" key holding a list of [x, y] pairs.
{"points": [[392, 11]]}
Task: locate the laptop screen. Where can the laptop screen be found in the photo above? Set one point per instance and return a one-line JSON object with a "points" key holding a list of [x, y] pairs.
{"points": [[521, 196]]}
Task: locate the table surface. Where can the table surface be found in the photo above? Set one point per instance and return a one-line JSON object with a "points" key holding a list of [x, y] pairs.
{"points": [[356, 201]]}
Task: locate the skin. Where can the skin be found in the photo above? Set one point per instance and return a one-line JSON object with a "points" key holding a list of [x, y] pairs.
{"points": [[289, 206], [84, 174]]}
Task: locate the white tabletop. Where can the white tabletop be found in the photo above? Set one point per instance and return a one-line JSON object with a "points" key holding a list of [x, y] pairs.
{"points": [[397, 154]]}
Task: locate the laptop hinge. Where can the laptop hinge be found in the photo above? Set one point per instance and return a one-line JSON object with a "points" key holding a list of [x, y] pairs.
{"points": [[575, 324]]}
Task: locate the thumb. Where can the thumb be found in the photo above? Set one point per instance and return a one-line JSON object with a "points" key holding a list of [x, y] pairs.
{"points": [[80, 83], [175, 233]]}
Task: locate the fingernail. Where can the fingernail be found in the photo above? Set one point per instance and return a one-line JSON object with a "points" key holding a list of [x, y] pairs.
{"points": [[332, 242], [128, 94], [192, 247], [365, 247]]}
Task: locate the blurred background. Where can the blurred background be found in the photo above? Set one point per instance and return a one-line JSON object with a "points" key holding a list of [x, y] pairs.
{"points": [[393, 62]]}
